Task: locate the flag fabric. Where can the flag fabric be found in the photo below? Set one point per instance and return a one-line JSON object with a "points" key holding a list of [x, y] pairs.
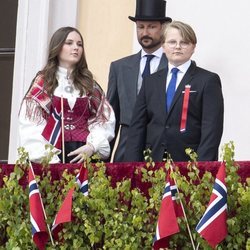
{"points": [[212, 226], [82, 180], [52, 130], [64, 214], [177, 206], [37, 218], [167, 224]]}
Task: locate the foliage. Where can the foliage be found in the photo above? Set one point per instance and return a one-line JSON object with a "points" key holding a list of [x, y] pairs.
{"points": [[122, 217]]}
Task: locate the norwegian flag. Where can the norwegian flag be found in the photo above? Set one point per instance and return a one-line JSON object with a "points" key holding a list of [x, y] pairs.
{"points": [[37, 218], [213, 226], [177, 206], [64, 214], [82, 180], [52, 131], [167, 221]]}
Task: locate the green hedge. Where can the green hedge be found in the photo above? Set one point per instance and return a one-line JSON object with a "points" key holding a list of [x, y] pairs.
{"points": [[121, 217]]}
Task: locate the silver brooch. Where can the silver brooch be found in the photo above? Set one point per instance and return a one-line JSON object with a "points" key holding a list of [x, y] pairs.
{"points": [[69, 89]]}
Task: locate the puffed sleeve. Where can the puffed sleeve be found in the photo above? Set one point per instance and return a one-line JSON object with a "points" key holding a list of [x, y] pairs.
{"points": [[31, 138], [102, 131]]}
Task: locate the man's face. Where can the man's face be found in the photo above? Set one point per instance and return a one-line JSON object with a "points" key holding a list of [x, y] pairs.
{"points": [[177, 50], [149, 34]]}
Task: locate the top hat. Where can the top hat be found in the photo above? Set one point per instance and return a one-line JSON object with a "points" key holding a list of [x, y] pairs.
{"points": [[150, 10]]}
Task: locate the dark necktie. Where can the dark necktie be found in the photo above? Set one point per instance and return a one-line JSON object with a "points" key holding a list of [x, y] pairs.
{"points": [[171, 87], [146, 71]]}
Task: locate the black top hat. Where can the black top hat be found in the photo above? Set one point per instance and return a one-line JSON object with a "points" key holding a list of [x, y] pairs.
{"points": [[150, 10]]}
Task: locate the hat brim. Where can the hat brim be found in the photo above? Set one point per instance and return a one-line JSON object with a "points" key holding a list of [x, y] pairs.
{"points": [[161, 19]]}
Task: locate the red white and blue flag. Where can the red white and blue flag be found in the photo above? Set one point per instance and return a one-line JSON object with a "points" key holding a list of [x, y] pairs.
{"points": [[167, 224], [53, 129], [174, 192], [213, 226], [82, 180], [37, 218], [64, 214]]}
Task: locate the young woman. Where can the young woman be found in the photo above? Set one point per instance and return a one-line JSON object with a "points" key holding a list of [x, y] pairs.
{"points": [[65, 104]]}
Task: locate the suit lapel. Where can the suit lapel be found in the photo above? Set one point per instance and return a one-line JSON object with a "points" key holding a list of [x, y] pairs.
{"points": [[163, 69], [163, 62], [130, 76], [185, 80], [132, 73], [161, 90]]}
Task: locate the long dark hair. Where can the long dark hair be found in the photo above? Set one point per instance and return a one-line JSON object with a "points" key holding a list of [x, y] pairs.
{"points": [[81, 76]]}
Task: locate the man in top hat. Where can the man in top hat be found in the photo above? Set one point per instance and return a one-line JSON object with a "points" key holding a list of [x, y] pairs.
{"points": [[126, 74], [179, 107]]}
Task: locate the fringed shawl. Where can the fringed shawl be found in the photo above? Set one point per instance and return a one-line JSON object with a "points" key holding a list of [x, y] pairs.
{"points": [[97, 101], [39, 102]]}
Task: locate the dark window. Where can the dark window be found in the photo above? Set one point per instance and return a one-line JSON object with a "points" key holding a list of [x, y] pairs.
{"points": [[8, 17]]}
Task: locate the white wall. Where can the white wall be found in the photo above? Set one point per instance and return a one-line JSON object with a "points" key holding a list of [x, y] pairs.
{"points": [[36, 22], [223, 31]]}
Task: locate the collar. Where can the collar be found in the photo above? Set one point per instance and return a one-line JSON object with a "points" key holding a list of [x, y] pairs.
{"points": [[157, 53], [183, 67], [62, 73]]}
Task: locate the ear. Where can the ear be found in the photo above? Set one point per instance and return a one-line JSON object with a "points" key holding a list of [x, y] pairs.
{"points": [[194, 46]]}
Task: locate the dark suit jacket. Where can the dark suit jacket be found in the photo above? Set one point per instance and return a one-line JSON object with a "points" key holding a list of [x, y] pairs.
{"points": [[122, 93], [152, 127]]}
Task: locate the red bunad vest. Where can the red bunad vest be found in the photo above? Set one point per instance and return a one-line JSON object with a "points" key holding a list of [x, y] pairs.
{"points": [[75, 120]]}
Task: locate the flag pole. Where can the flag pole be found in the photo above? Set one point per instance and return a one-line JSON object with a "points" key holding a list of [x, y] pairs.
{"points": [[44, 213], [62, 125], [197, 248], [184, 213]]}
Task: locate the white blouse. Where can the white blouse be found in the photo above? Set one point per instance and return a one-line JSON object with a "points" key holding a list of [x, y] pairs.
{"points": [[100, 133]]}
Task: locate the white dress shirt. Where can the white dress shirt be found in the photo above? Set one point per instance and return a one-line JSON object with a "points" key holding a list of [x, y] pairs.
{"points": [[155, 61], [182, 71]]}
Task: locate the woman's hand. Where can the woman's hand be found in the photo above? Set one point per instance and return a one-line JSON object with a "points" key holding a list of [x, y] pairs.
{"points": [[82, 153]]}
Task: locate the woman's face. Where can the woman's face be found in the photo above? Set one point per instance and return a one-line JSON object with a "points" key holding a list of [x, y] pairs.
{"points": [[71, 51]]}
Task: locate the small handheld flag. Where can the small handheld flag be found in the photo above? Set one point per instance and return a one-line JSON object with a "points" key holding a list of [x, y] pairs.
{"points": [[64, 214], [213, 226], [167, 221], [37, 219], [82, 180], [53, 129]]}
